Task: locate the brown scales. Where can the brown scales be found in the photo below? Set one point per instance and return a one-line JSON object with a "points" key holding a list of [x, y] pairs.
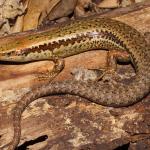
{"points": [[116, 95]]}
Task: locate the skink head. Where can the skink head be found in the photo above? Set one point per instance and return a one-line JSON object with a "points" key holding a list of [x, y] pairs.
{"points": [[10, 56]]}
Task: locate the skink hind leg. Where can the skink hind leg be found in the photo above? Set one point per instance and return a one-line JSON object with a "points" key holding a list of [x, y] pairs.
{"points": [[111, 67], [51, 74]]}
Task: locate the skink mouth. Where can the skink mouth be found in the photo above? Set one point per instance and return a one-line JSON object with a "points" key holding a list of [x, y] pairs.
{"points": [[8, 56]]}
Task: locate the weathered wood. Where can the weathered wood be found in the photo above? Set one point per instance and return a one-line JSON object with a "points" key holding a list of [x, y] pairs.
{"points": [[71, 122]]}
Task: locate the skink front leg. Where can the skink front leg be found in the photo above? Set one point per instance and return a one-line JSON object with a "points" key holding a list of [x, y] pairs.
{"points": [[51, 74]]}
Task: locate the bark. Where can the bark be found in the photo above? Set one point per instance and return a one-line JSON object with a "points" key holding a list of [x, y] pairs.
{"points": [[69, 121]]}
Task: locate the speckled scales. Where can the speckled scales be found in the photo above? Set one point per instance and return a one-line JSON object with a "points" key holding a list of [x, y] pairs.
{"points": [[117, 95]]}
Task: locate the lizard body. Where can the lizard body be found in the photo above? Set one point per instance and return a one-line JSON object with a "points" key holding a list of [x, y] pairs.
{"points": [[76, 37]]}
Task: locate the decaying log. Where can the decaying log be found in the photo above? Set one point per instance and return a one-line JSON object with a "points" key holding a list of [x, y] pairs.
{"points": [[71, 122]]}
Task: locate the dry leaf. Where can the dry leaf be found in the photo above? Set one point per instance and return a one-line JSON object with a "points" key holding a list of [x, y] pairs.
{"points": [[62, 9], [37, 11], [109, 4], [51, 9], [80, 8], [10, 9], [18, 25]]}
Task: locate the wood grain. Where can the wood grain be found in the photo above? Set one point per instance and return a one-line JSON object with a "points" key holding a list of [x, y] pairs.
{"points": [[71, 122]]}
